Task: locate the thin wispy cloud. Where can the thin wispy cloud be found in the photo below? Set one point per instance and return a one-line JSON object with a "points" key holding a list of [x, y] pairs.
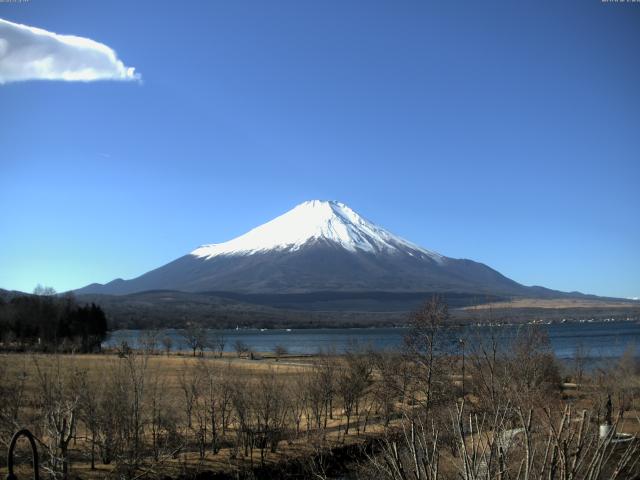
{"points": [[30, 53]]}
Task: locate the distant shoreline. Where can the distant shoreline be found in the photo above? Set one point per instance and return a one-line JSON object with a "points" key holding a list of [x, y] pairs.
{"points": [[600, 339]]}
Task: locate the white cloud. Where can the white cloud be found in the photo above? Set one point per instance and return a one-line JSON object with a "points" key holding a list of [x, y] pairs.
{"points": [[30, 53]]}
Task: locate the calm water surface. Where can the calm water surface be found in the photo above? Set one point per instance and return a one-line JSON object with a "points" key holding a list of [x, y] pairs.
{"points": [[596, 339]]}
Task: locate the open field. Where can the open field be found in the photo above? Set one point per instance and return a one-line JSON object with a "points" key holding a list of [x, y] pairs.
{"points": [[177, 381], [178, 378], [555, 303]]}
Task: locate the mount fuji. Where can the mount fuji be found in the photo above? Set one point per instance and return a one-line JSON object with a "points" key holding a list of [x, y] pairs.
{"points": [[318, 246]]}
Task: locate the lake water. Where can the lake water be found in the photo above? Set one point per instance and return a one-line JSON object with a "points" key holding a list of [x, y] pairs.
{"points": [[597, 339]]}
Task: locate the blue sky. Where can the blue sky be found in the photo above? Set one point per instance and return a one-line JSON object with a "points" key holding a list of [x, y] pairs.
{"points": [[506, 132]]}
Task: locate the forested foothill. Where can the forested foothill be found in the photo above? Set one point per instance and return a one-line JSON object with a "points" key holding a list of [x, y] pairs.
{"points": [[220, 310]]}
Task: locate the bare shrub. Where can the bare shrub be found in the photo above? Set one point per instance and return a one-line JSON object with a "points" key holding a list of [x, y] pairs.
{"points": [[426, 348], [59, 404]]}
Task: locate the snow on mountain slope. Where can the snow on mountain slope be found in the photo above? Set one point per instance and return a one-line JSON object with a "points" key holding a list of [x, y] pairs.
{"points": [[312, 221]]}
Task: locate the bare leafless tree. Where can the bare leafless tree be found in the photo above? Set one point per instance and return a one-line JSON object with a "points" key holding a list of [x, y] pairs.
{"points": [[280, 351], [13, 400], [270, 409], [241, 348], [167, 343], [148, 341], [59, 404], [195, 336], [190, 380], [354, 378], [89, 390], [217, 342], [426, 349]]}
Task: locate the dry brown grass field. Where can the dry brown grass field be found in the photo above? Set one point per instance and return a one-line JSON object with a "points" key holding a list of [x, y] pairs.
{"points": [[554, 303], [174, 372]]}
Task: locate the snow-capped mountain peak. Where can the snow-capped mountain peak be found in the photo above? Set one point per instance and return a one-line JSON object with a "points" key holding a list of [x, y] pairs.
{"points": [[313, 221], [318, 246]]}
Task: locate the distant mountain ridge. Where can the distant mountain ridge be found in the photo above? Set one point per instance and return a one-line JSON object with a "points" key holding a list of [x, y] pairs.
{"points": [[319, 246]]}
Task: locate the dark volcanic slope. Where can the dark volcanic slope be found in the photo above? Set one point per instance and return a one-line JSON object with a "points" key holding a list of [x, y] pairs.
{"points": [[318, 267]]}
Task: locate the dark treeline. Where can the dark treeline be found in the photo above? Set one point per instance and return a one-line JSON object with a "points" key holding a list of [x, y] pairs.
{"points": [[46, 322]]}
